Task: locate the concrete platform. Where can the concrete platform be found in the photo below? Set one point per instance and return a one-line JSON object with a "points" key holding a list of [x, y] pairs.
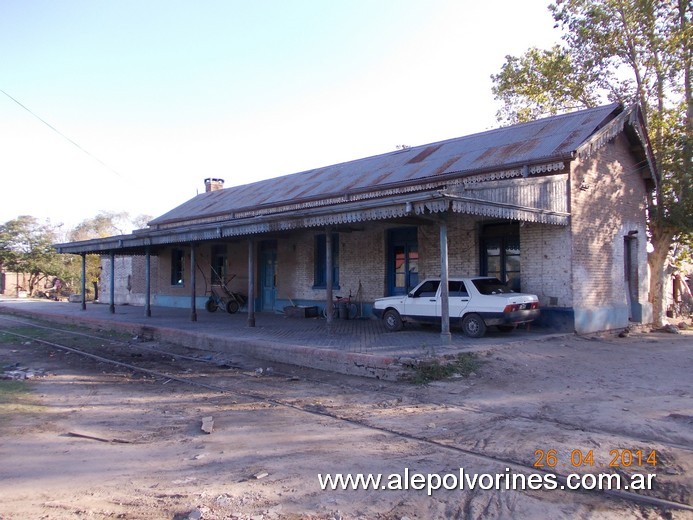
{"points": [[359, 347]]}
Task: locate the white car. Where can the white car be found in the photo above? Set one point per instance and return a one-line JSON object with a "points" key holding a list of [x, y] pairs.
{"points": [[475, 303]]}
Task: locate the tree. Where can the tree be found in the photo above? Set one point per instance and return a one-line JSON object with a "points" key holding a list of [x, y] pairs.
{"points": [[528, 89], [103, 225], [626, 51], [26, 247]]}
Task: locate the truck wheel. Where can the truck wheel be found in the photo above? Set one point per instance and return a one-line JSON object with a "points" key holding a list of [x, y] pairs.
{"points": [[211, 306], [392, 320], [232, 307], [473, 326]]}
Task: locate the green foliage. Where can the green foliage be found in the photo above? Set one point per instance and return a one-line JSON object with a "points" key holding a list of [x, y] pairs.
{"points": [[528, 89], [26, 246], [462, 364], [9, 390], [617, 50], [683, 252], [16, 398], [105, 224], [626, 51]]}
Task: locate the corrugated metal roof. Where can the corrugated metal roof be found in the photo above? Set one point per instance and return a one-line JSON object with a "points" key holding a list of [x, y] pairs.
{"points": [[543, 139]]}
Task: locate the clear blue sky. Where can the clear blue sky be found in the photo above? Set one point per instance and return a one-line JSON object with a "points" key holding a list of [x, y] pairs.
{"points": [[167, 93]]}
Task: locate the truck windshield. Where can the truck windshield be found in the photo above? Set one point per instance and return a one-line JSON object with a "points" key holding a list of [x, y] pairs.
{"points": [[491, 286]]}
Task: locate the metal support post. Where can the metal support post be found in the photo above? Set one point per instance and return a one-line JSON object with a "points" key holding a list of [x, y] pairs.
{"points": [[445, 336], [112, 282], [148, 283], [84, 281], [251, 283], [328, 278], [193, 287]]}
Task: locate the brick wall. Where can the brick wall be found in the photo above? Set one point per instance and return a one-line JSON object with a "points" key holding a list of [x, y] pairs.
{"points": [[608, 202], [363, 255], [129, 276], [361, 260], [546, 258], [10, 282], [580, 266], [463, 247], [163, 279], [237, 264]]}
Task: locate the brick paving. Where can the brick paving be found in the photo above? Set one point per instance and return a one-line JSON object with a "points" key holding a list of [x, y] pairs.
{"points": [[275, 335]]}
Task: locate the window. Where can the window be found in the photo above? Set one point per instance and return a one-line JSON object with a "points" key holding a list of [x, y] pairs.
{"points": [[320, 279], [491, 286], [457, 289], [427, 289], [218, 275], [177, 266], [406, 267], [500, 253]]}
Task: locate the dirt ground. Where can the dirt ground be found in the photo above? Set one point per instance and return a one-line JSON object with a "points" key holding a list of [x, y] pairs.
{"points": [[275, 431]]}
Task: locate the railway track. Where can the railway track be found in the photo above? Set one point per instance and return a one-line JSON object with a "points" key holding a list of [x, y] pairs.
{"points": [[382, 390], [233, 378]]}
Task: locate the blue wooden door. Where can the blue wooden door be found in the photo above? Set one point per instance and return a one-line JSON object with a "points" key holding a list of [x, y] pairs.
{"points": [[403, 261]]}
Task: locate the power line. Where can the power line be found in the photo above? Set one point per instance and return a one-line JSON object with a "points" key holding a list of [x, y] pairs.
{"points": [[61, 134]]}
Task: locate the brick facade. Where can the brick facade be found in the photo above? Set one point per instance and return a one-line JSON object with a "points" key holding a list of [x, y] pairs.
{"points": [[608, 204], [362, 260], [129, 277], [546, 258], [592, 272], [14, 284]]}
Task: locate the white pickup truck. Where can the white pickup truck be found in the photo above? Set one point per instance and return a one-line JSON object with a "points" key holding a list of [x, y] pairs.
{"points": [[475, 303]]}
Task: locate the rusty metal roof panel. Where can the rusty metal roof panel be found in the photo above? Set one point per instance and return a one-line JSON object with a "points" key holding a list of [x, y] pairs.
{"points": [[538, 140]]}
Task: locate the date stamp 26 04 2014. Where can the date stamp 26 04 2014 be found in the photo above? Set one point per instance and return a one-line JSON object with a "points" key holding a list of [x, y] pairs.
{"points": [[618, 458]]}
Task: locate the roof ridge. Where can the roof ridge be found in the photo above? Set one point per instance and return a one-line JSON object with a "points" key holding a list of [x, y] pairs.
{"points": [[421, 147], [523, 143]]}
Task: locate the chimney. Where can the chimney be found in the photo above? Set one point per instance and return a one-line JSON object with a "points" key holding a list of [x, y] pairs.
{"points": [[213, 185]]}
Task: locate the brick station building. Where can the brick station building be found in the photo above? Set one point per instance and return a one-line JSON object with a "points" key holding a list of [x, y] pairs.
{"points": [[555, 207]]}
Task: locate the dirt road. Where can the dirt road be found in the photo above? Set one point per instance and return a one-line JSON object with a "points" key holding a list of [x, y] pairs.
{"points": [[85, 439]]}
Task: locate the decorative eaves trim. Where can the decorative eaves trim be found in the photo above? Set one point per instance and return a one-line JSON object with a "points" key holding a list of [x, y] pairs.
{"points": [[508, 194], [517, 172], [507, 211], [606, 134], [542, 199], [369, 195]]}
